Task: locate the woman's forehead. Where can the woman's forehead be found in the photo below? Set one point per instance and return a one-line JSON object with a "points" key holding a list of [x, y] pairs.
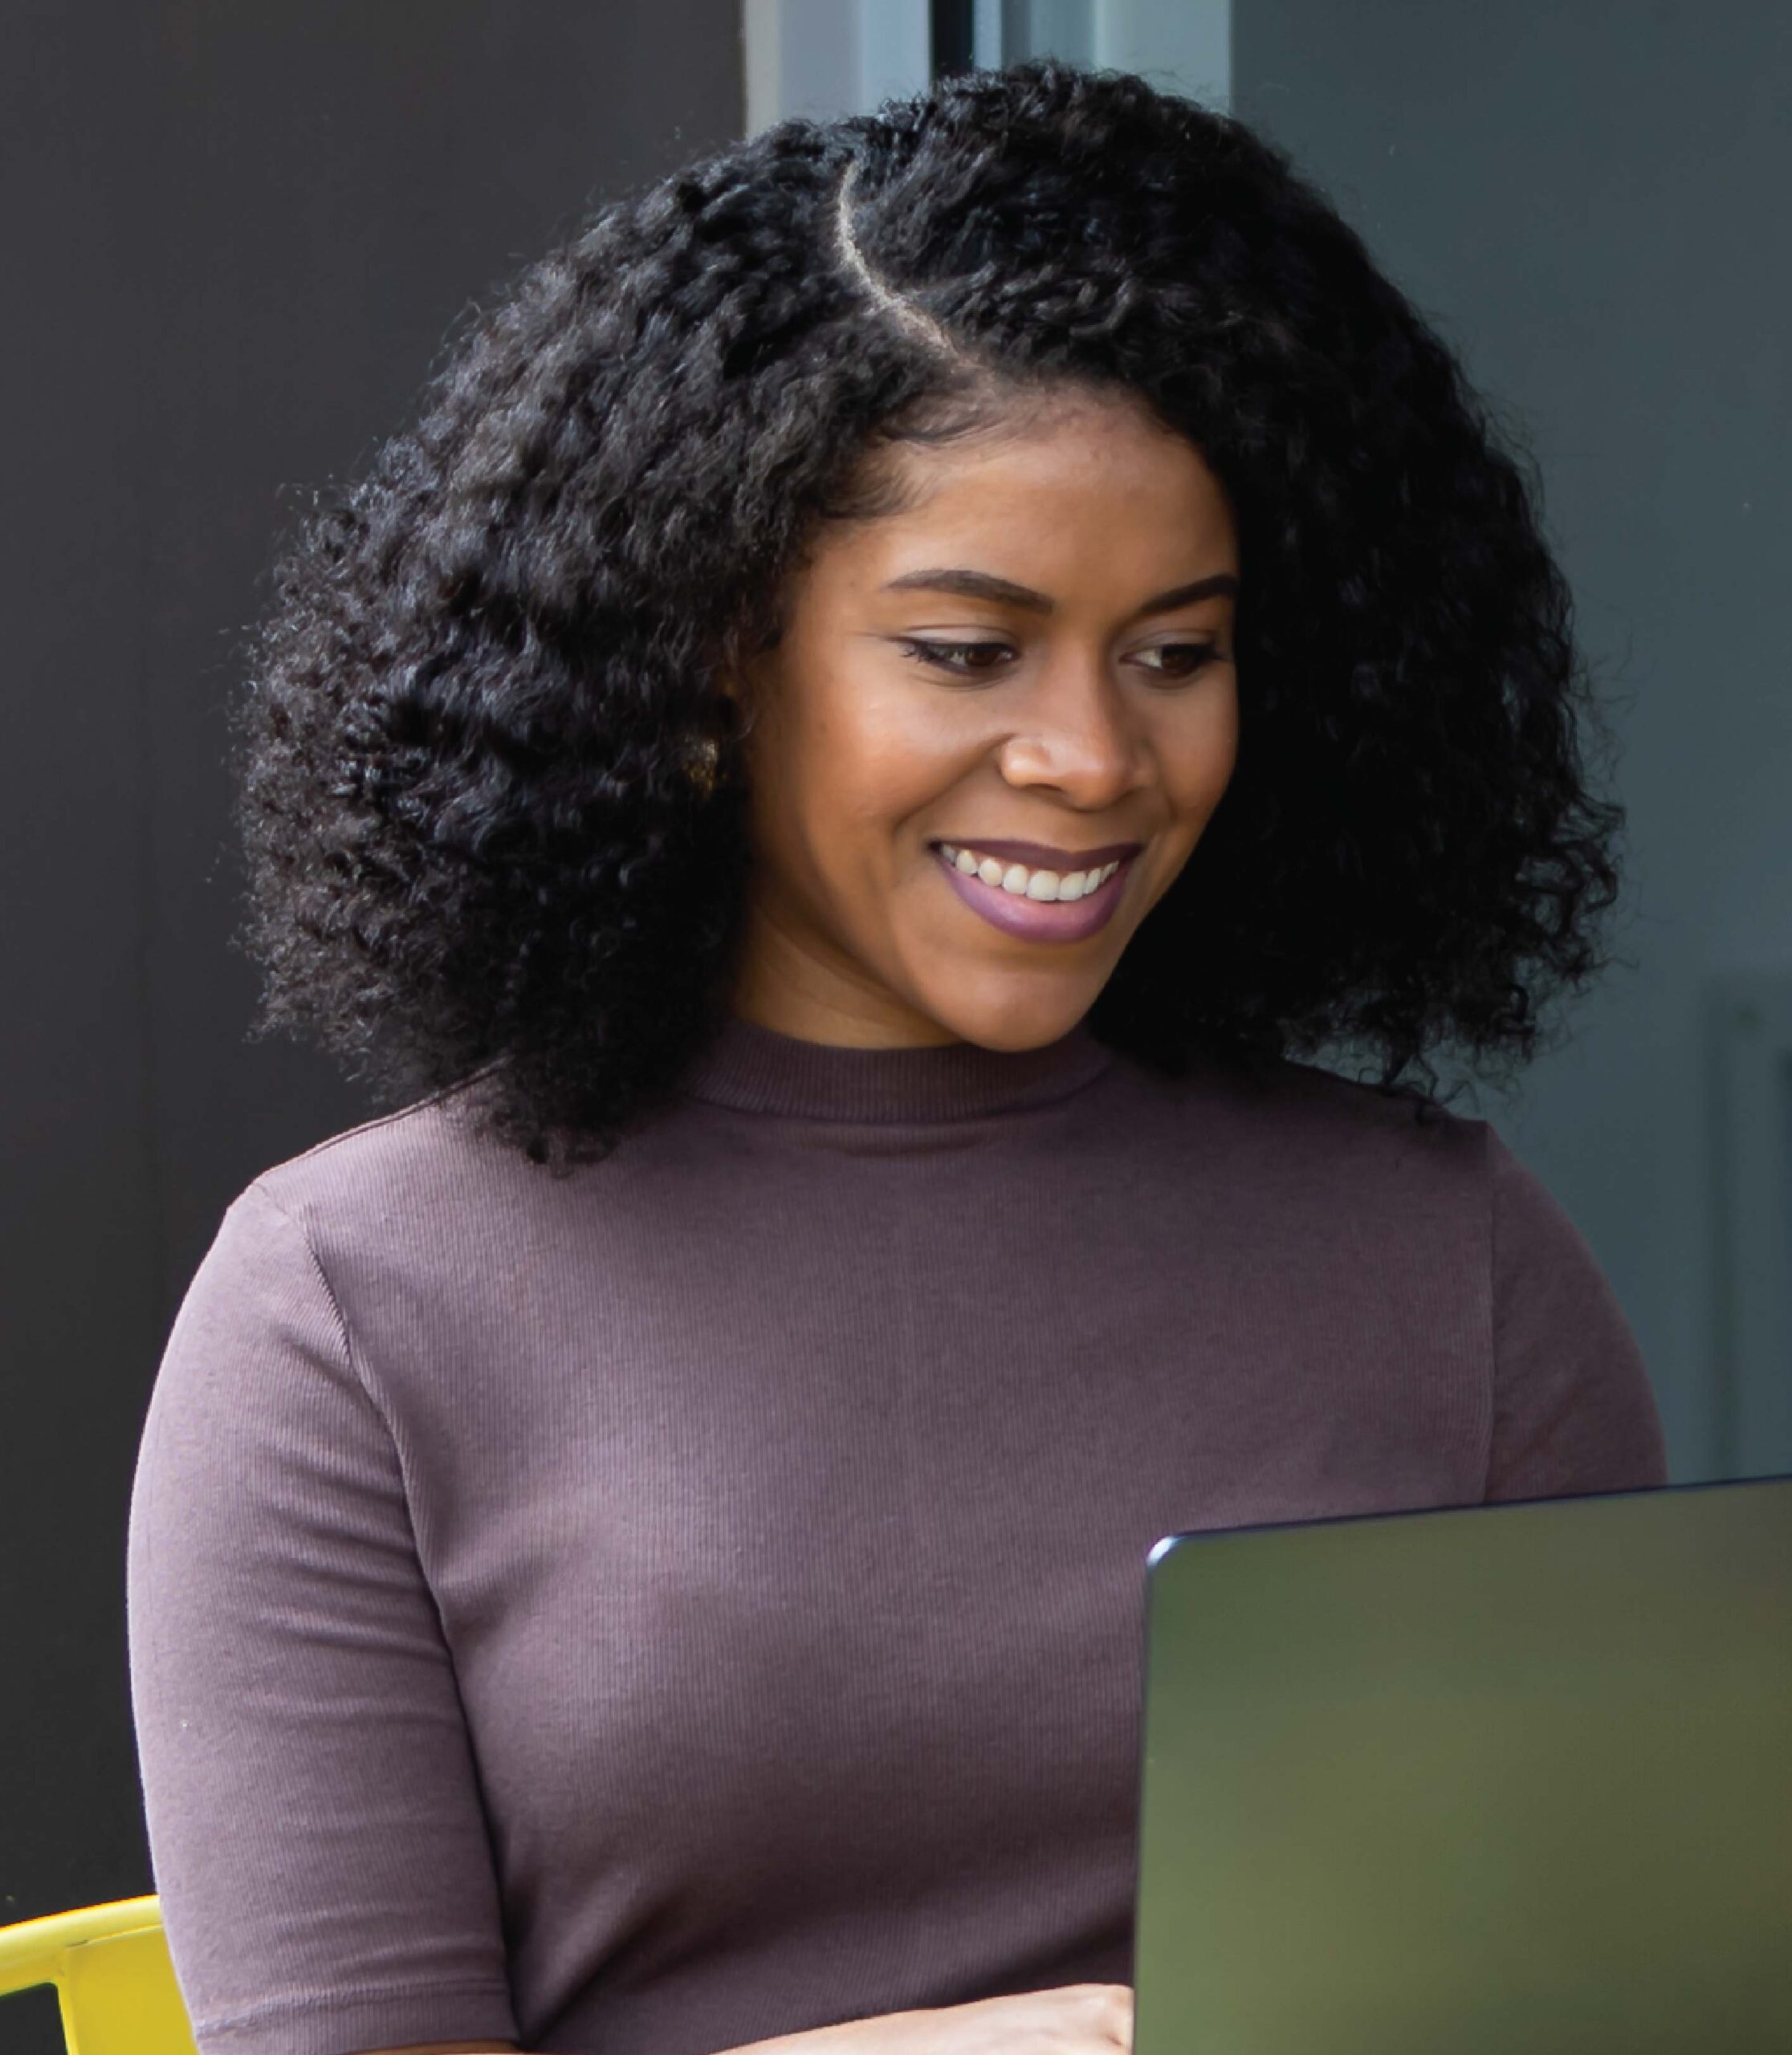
{"points": [[1088, 464]]}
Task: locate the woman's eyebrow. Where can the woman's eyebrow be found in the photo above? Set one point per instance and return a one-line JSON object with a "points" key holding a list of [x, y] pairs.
{"points": [[968, 585]]}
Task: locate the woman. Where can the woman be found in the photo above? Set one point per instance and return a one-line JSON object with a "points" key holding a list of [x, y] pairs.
{"points": [[899, 678]]}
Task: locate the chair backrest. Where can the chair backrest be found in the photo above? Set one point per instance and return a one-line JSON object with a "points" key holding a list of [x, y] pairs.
{"points": [[114, 1980]]}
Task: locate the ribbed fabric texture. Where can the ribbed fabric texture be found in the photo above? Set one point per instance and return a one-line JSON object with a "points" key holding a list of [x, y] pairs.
{"points": [[701, 1599]]}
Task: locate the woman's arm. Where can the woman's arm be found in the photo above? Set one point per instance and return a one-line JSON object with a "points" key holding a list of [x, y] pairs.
{"points": [[316, 1827]]}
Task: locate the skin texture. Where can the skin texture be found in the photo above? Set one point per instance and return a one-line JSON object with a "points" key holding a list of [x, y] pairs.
{"points": [[1091, 724]]}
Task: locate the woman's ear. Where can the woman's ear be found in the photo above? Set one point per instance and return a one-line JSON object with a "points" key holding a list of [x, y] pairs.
{"points": [[738, 680]]}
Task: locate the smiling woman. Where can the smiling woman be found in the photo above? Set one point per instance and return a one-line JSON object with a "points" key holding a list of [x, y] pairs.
{"points": [[467, 758], [899, 682]]}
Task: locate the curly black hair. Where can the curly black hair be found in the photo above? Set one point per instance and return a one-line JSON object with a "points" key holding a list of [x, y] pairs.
{"points": [[476, 857]]}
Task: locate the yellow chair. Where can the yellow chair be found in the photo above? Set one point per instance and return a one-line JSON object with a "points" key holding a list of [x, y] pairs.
{"points": [[113, 1977]]}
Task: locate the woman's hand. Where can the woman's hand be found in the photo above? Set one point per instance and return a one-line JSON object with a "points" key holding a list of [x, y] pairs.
{"points": [[1075, 2019]]}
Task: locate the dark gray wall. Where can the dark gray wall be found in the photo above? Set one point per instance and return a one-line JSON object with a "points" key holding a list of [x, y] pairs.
{"points": [[1590, 199], [234, 237]]}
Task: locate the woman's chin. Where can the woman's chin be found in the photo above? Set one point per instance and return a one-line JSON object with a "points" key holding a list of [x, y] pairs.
{"points": [[1027, 1016]]}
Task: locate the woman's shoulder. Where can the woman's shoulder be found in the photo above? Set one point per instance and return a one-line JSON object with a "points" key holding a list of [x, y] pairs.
{"points": [[423, 1141], [422, 1177]]}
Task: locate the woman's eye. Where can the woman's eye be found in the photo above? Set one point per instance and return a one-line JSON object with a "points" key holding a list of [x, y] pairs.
{"points": [[955, 656], [1183, 659]]}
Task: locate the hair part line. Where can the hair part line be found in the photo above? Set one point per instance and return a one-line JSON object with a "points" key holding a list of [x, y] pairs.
{"points": [[919, 324]]}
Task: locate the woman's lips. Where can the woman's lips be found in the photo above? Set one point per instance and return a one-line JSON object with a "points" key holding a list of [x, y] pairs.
{"points": [[1037, 920]]}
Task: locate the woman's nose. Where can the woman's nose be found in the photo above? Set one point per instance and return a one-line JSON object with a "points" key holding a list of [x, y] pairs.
{"points": [[1076, 729]]}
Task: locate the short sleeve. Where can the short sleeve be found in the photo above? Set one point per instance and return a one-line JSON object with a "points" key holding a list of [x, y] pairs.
{"points": [[316, 1827], [1574, 1411]]}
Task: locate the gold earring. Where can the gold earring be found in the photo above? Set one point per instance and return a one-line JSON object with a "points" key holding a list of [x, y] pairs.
{"points": [[700, 766]]}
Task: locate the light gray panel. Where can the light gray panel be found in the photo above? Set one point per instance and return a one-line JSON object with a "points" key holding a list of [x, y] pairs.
{"points": [[1047, 28], [1183, 46]]}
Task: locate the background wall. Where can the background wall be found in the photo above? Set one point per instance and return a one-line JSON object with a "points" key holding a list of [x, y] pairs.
{"points": [[235, 239], [1590, 201]]}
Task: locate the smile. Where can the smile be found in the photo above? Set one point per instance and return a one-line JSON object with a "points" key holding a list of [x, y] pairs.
{"points": [[1014, 901]]}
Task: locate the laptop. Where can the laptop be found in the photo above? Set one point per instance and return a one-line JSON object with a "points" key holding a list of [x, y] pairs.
{"points": [[1501, 1780]]}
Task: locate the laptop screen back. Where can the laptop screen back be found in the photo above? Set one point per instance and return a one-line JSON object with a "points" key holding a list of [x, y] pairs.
{"points": [[1480, 1781]]}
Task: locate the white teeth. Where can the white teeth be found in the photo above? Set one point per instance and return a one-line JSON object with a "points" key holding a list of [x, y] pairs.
{"points": [[1024, 884]]}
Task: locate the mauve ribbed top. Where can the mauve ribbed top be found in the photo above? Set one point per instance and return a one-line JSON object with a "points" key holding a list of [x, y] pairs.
{"points": [[701, 1598]]}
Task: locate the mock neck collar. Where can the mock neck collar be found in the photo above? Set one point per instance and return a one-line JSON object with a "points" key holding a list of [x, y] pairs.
{"points": [[758, 1070]]}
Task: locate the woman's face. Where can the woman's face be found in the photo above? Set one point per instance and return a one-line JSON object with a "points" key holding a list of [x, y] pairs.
{"points": [[1038, 651]]}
